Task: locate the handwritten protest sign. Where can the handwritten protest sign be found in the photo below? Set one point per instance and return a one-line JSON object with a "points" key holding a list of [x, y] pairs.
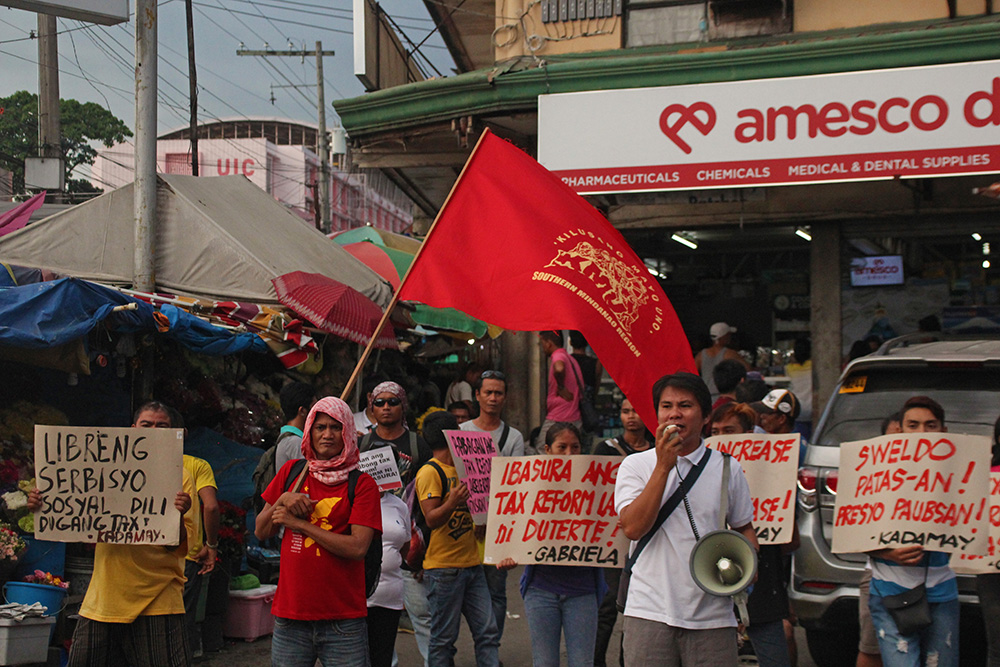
{"points": [[771, 466], [556, 510], [473, 452], [990, 563], [381, 465], [913, 488], [112, 485]]}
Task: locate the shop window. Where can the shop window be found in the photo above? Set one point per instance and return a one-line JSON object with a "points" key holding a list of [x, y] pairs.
{"points": [[656, 22]]}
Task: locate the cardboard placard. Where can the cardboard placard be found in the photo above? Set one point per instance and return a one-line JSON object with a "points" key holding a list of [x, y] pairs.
{"points": [[473, 453], [555, 510], [771, 466], [990, 563], [913, 488], [381, 465], [114, 485]]}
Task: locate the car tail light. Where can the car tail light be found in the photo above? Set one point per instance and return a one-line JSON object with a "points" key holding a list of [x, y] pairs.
{"points": [[807, 483], [817, 586], [830, 482]]}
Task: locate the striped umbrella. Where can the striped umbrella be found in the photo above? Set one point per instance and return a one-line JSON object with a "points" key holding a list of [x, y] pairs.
{"points": [[333, 307]]}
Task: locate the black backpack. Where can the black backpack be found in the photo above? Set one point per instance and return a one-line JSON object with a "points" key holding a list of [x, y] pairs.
{"points": [[373, 557], [420, 532], [265, 472]]}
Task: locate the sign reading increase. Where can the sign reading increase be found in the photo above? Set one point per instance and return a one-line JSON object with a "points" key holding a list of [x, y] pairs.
{"points": [[113, 485], [555, 510]]}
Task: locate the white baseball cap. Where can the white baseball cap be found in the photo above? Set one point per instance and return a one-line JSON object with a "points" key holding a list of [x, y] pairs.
{"points": [[720, 329]]}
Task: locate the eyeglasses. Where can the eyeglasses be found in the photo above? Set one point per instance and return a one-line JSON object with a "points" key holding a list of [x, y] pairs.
{"points": [[493, 375], [379, 402]]}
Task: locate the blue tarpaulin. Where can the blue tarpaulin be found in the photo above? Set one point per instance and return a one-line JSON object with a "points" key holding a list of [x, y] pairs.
{"points": [[47, 314], [232, 463]]}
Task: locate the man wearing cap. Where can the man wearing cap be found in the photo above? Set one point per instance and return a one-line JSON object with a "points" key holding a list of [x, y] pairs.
{"points": [[708, 358], [778, 411]]}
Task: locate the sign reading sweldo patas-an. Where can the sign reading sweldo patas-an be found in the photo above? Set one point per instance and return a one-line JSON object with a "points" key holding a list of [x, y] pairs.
{"points": [[114, 485], [929, 489]]}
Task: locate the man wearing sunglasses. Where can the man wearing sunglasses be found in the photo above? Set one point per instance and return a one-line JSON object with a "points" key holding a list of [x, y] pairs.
{"points": [[491, 393], [388, 405]]}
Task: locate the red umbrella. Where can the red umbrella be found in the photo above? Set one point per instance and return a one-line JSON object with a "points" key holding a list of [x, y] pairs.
{"points": [[332, 307]]}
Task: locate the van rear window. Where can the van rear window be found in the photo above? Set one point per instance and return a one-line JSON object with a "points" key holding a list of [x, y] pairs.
{"points": [[971, 401]]}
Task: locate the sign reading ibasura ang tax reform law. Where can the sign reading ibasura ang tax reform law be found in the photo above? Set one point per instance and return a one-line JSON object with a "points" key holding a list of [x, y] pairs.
{"points": [[113, 485], [555, 510]]}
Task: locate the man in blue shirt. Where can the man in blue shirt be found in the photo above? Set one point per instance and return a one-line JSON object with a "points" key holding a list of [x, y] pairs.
{"points": [[899, 570], [296, 400]]}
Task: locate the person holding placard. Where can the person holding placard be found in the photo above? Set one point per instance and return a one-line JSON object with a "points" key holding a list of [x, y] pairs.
{"points": [[669, 619], [491, 394], [771, 632], [133, 612], [561, 600], [906, 570], [454, 580], [320, 607], [988, 585]]}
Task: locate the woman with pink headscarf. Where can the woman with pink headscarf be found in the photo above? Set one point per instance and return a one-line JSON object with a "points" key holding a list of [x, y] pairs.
{"points": [[320, 608]]}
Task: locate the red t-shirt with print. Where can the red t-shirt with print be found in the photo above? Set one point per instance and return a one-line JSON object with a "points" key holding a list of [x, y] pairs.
{"points": [[314, 584]]}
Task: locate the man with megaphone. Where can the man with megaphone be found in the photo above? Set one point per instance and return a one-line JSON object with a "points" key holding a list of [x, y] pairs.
{"points": [[667, 498]]}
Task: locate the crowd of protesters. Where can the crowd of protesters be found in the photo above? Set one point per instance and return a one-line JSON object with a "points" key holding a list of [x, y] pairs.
{"points": [[328, 517]]}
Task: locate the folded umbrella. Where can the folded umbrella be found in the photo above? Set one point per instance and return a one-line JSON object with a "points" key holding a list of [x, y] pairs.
{"points": [[332, 306]]}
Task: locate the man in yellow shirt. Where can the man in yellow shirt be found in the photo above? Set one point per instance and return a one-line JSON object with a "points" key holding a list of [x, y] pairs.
{"points": [[133, 612], [455, 582], [201, 523]]}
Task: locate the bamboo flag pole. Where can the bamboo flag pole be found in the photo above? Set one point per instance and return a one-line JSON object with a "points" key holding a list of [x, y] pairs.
{"points": [[416, 258]]}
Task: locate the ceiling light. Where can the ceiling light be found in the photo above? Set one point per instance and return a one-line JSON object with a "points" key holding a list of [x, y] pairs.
{"points": [[976, 236], [472, 341], [802, 232], [683, 240], [986, 263], [986, 247]]}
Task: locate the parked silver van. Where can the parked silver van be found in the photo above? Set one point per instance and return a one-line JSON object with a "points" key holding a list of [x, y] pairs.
{"points": [[963, 375]]}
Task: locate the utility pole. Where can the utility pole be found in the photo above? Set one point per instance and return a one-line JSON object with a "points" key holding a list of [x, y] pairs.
{"points": [[144, 187], [49, 126], [322, 140], [193, 87]]}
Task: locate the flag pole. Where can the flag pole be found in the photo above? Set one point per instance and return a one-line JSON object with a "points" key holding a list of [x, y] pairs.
{"points": [[395, 297]]}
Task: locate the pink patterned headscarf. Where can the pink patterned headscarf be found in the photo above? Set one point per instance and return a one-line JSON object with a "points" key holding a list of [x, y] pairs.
{"points": [[389, 388], [332, 471]]}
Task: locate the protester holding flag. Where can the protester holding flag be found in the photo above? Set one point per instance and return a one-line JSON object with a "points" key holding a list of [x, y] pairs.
{"points": [[565, 385], [561, 599], [320, 609]]}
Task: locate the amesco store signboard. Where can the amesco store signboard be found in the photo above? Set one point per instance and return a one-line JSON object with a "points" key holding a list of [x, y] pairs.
{"points": [[910, 122]]}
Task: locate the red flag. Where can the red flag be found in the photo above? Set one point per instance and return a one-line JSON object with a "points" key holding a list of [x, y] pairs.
{"points": [[516, 247]]}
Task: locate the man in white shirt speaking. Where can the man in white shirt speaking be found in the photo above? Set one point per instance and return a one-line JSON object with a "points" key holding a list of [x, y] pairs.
{"points": [[669, 620]]}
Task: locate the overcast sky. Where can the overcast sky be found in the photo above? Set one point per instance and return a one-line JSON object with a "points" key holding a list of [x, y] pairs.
{"points": [[96, 62]]}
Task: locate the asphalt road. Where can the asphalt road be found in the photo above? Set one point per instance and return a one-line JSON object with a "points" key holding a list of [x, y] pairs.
{"points": [[515, 648]]}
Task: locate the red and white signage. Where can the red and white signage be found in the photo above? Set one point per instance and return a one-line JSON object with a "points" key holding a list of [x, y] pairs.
{"points": [[883, 270], [911, 122]]}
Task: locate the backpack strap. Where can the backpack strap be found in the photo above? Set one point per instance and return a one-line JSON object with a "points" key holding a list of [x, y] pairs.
{"points": [[503, 438], [296, 476], [444, 478], [366, 442], [414, 450], [724, 493], [352, 482]]}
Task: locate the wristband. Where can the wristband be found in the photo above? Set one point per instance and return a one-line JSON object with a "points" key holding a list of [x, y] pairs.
{"points": [[212, 546]]}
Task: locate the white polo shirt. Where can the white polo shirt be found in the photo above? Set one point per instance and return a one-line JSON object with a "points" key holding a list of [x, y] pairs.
{"points": [[661, 588]]}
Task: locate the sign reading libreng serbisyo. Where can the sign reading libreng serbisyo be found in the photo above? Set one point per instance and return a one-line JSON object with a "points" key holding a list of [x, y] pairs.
{"points": [[114, 485], [880, 124], [107, 12]]}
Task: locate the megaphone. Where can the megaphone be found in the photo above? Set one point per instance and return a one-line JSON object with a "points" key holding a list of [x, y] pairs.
{"points": [[724, 563]]}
